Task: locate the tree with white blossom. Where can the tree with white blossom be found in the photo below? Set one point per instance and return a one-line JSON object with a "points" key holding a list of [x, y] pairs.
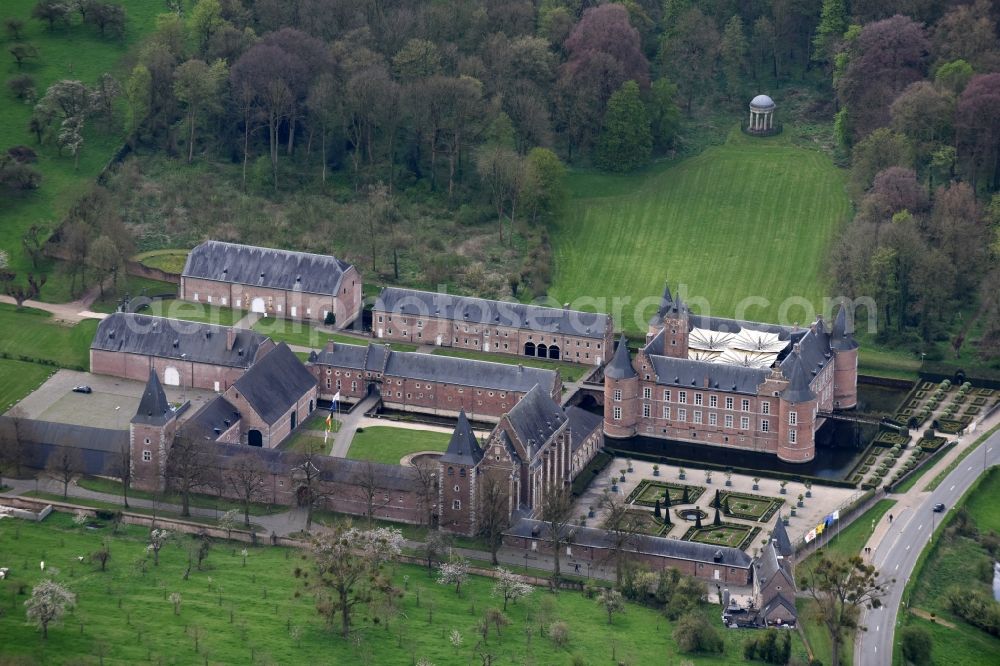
{"points": [[509, 586], [157, 539], [48, 603], [454, 572]]}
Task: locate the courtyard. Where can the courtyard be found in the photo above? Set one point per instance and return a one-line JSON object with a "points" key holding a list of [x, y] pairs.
{"points": [[749, 505]]}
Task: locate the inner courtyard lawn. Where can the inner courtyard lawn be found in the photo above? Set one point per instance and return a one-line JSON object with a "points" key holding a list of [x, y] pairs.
{"points": [[385, 444], [263, 612], [76, 52], [35, 334], [19, 379], [570, 372], [751, 218], [304, 335]]}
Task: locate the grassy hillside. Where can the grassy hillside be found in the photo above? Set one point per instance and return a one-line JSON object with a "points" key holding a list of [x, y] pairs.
{"points": [[751, 218], [36, 335], [76, 52], [262, 611]]}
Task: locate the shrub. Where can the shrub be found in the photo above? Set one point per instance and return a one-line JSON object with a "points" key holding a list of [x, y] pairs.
{"points": [[975, 607], [771, 646], [916, 644], [559, 633], [694, 634]]}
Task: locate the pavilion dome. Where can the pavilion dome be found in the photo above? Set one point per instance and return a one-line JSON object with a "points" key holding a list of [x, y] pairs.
{"points": [[762, 103]]}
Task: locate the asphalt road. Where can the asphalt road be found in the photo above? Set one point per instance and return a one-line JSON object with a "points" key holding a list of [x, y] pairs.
{"points": [[897, 553]]}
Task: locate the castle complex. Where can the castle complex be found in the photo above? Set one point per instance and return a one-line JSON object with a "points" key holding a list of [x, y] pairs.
{"points": [[743, 385]]}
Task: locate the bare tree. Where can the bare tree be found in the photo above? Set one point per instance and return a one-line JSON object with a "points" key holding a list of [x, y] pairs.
{"points": [[308, 472], [493, 512], [622, 526], [557, 507], [246, 477], [435, 545], [188, 469], [369, 487], [13, 448], [121, 467], [63, 465], [427, 489]]}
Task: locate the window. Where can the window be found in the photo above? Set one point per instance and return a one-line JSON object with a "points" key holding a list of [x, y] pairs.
{"points": [[456, 505], [713, 419], [147, 441], [666, 413], [618, 413], [147, 456], [210, 298], [745, 405], [698, 399], [451, 471], [682, 415], [461, 472], [729, 403], [791, 436], [793, 418], [764, 425], [713, 401], [697, 417], [666, 396], [765, 407], [682, 397], [617, 395], [744, 423], [647, 393], [645, 410], [328, 382], [729, 420]]}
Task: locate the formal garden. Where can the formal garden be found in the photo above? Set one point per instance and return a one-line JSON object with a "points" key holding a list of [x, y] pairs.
{"points": [[733, 535], [649, 492], [749, 507], [952, 407]]}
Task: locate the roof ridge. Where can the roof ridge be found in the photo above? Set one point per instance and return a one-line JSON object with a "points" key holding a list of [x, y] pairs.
{"points": [[269, 249]]}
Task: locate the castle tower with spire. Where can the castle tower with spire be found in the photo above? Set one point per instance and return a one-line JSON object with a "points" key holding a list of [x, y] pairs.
{"points": [[458, 472], [151, 432], [797, 414], [845, 358], [672, 318], [621, 393]]}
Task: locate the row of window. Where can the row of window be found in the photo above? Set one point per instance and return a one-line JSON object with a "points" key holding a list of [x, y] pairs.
{"points": [[682, 398]]}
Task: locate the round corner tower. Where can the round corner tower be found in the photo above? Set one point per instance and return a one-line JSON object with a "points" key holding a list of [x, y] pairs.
{"points": [[621, 394], [845, 362], [797, 414]]}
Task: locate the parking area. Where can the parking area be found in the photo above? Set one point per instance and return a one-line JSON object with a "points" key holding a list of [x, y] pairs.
{"points": [[112, 404]]}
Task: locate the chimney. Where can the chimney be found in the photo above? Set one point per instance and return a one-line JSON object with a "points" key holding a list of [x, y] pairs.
{"points": [[230, 338], [708, 384]]}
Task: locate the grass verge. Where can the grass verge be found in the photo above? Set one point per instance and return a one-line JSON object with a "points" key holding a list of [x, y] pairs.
{"points": [[34, 335], [936, 481], [19, 379], [112, 487], [852, 538]]}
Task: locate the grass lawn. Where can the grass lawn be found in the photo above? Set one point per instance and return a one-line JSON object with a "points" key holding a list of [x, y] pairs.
{"points": [[936, 481], [388, 445], [882, 362], [304, 335], [726, 534], [264, 612], [649, 490], [111, 506], [819, 638], [852, 538], [76, 52], [955, 562], [19, 379], [134, 287], [113, 487], [34, 334], [751, 218], [570, 372], [308, 438], [171, 261], [749, 507]]}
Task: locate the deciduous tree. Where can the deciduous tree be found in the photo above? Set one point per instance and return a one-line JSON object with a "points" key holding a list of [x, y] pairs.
{"points": [[48, 603], [197, 86], [189, 468], [247, 477], [492, 512], [626, 140], [556, 514], [63, 465]]}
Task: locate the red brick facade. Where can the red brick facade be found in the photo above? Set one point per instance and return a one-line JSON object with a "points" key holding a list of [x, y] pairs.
{"points": [[187, 373]]}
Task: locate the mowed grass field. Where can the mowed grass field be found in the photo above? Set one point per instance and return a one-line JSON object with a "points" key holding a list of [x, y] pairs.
{"points": [[748, 219], [75, 52], [385, 444], [35, 334], [264, 612], [18, 379]]}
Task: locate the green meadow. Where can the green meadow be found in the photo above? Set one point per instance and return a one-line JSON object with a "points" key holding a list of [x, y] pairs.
{"points": [[385, 444], [750, 219]]}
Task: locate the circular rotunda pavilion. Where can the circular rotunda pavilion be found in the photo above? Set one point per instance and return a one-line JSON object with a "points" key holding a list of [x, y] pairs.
{"points": [[761, 115]]}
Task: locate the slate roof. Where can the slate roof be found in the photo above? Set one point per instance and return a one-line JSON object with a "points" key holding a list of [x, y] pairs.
{"points": [[582, 424], [535, 418], [65, 434], [767, 566], [212, 415], [275, 383], [620, 366], [780, 536], [154, 409], [463, 448], [146, 335], [685, 373], [394, 300], [842, 335], [798, 380], [598, 538], [266, 267], [776, 601]]}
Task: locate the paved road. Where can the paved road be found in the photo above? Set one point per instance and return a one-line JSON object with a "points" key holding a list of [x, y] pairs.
{"points": [[897, 552]]}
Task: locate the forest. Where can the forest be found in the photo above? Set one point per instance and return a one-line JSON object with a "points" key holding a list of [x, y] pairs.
{"points": [[429, 141]]}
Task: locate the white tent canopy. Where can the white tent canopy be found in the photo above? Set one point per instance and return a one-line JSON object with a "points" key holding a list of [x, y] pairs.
{"points": [[748, 348]]}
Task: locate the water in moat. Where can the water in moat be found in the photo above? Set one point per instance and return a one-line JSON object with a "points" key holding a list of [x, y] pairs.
{"points": [[839, 444]]}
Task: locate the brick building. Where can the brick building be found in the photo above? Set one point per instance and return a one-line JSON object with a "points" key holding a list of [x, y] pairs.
{"points": [[182, 353], [427, 383], [729, 383], [537, 446], [589, 545], [275, 283], [445, 320]]}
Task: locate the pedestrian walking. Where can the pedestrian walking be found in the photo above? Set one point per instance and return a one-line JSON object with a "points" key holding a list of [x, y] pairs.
{"points": [[890, 519]]}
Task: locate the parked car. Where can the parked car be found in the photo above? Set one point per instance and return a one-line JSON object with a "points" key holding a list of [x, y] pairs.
{"points": [[939, 507], [82, 389]]}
